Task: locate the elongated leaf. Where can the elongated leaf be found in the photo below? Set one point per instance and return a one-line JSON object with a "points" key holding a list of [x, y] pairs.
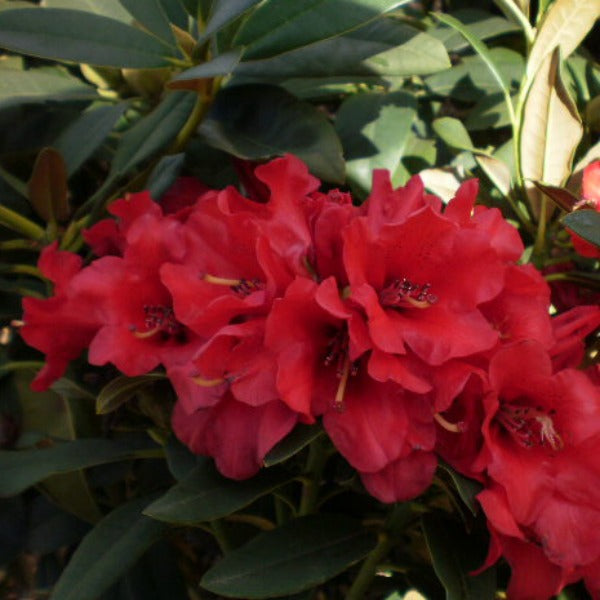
{"points": [[225, 11], [23, 468], [205, 495], [222, 64], [164, 174], [453, 133], [260, 121], [41, 85], [586, 224], [562, 197], [454, 556], [551, 130], [85, 135], [374, 129], [295, 557], [151, 15], [107, 8], [47, 188], [152, 133], [565, 25], [497, 171], [121, 389], [108, 551], [65, 34], [466, 488], [299, 438], [277, 27]]}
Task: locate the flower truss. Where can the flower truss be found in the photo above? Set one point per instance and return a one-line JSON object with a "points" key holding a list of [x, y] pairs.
{"points": [[409, 328]]}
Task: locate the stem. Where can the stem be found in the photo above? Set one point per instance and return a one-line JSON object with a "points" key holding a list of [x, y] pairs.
{"points": [[514, 13], [221, 536], [368, 569], [540, 239], [19, 245], [317, 458], [189, 128], [254, 520], [13, 220], [22, 270]]}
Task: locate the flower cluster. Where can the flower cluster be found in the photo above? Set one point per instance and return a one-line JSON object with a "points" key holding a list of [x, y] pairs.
{"points": [[408, 327]]}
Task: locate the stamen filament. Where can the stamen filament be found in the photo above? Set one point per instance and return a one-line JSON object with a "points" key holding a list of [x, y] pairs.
{"points": [[221, 280], [417, 303], [452, 427], [143, 335], [341, 390], [207, 382]]}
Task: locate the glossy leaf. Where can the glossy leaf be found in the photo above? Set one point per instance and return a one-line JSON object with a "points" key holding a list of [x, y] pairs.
{"points": [[260, 121], [550, 130], [497, 171], [222, 64], [122, 389], [205, 495], [108, 551], [24, 468], [73, 35], [41, 85], [150, 14], [565, 25], [299, 555], [279, 26], [586, 224], [47, 187], [84, 136], [225, 11], [374, 129], [454, 556], [299, 438]]}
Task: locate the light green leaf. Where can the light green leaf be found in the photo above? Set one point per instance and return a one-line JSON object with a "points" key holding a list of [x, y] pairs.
{"points": [[107, 552], [41, 85], [565, 25], [453, 133], [550, 130], [374, 129], [120, 390], [85, 135], [73, 35], [489, 113], [260, 121], [150, 14], [24, 468], [205, 495], [299, 555], [497, 172], [279, 26]]}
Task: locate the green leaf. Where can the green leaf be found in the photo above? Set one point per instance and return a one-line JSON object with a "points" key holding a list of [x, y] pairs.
{"points": [[260, 121], [180, 460], [152, 133], [550, 131], [41, 85], [300, 554], [24, 468], [108, 551], [586, 224], [73, 35], [299, 438], [565, 25], [150, 14], [205, 495], [467, 488], [106, 8], [453, 133], [175, 13], [277, 26], [224, 12], [47, 187], [374, 129], [223, 64], [471, 78], [454, 556], [489, 113], [122, 389], [164, 174], [497, 172], [85, 135]]}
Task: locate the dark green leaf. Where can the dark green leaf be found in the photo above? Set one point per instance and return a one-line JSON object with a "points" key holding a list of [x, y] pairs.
{"points": [[78, 36], [108, 551], [205, 495], [586, 224], [47, 188], [23, 468], [300, 554], [225, 11], [106, 8], [222, 64], [277, 26], [151, 15], [84, 136], [466, 488], [375, 129], [41, 85], [152, 133], [122, 389], [260, 121], [299, 438], [164, 174], [454, 556], [175, 12], [180, 460]]}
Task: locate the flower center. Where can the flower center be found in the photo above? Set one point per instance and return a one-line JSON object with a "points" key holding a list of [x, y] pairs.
{"points": [[403, 293], [241, 287], [530, 426], [338, 354], [159, 319]]}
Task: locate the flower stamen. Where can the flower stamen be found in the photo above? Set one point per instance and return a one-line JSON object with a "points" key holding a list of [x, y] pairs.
{"points": [[451, 427]]}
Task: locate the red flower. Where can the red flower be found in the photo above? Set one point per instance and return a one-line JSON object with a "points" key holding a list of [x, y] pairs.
{"points": [[591, 198]]}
